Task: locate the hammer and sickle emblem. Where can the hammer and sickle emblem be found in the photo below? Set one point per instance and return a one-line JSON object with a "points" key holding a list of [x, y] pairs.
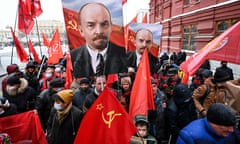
{"points": [[111, 116], [72, 24]]}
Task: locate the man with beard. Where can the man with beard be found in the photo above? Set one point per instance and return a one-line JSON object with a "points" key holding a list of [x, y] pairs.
{"points": [[45, 100], [144, 39], [99, 56], [81, 93]]}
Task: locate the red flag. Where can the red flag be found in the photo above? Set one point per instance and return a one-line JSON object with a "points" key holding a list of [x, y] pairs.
{"points": [[25, 19], [109, 118], [144, 20], [68, 71], [111, 78], [22, 54], [33, 51], [75, 39], [224, 47], [23, 128], [45, 40], [117, 35], [55, 49], [141, 99], [36, 8]]}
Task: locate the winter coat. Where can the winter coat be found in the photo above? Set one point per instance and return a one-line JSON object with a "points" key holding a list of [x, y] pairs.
{"points": [[200, 132], [80, 96], [24, 97], [224, 94], [44, 104], [65, 132]]}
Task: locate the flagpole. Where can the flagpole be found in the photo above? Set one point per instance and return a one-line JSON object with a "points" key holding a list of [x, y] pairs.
{"points": [[38, 37], [15, 23]]}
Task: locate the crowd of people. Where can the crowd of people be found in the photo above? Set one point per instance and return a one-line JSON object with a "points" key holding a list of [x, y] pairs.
{"points": [[199, 113]]}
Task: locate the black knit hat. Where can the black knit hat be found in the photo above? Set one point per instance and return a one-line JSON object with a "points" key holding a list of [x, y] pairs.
{"points": [[221, 76], [221, 114], [13, 79], [57, 83]]}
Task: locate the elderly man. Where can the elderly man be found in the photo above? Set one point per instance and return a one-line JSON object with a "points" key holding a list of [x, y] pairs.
{"points": [[143, 39], [216, 128], [99, 56]]}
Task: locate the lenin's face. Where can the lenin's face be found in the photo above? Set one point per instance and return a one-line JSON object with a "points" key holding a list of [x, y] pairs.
{"points": [[144, 39], [95, 26]]}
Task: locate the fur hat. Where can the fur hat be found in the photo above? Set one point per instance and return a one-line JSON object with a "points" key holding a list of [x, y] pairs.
{"points": [[221, 114], [221, 76], [57, 83], [84, 81], [66, 95], [12, 68], [13, 79]]}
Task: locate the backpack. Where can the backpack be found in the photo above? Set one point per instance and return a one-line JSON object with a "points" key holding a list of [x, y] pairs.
{"points": [[201, 100]]}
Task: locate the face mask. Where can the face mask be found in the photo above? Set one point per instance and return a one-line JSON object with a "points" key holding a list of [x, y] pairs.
{"points": [[57, 106], [59, 89], [48, 75], [12, 88]]}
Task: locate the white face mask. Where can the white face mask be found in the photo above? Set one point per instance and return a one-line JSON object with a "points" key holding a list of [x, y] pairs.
{"points": [[57, 106], [48, 75], [12, 88]]}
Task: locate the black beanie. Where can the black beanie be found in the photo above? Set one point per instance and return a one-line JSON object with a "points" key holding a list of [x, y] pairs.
{"points": [[221, 76], [13, 79], [57, 83], [221, 114]]}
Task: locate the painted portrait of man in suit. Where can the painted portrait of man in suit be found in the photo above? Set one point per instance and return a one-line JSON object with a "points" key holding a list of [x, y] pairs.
{"points": [[101, 54]]}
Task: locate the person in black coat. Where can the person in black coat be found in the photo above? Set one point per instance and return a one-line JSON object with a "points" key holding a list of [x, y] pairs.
{"points": [[224, 67], [20, 94], [95, 26], [64, 120], [80, 95], [144, 39], [45, 100]]}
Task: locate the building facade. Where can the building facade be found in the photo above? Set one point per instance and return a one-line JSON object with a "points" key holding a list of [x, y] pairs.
{"points": [[190, 24], [43, 26]]}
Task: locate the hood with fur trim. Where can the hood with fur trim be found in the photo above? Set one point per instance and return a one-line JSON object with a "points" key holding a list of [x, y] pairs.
{"points": [[21, 89]]}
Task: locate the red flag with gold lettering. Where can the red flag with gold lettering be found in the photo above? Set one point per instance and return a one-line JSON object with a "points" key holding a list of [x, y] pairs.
{"points": [[55, 49], [106, 122], [141, 99]]}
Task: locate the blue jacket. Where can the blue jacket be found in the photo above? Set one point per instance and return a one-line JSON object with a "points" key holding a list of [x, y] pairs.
{"points": [[199, 131]]}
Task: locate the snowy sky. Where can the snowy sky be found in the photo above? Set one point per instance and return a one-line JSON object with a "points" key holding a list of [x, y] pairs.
{"points": [[52, 10]]}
